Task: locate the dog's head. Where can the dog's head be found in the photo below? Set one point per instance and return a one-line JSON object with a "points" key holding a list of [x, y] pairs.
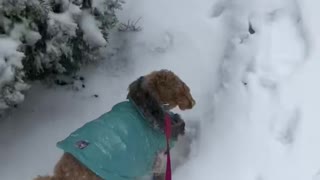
{"points": [[169, 89], [151, 92]]}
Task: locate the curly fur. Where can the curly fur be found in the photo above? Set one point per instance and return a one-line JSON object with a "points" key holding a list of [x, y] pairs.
{"points": [[153, 94]]}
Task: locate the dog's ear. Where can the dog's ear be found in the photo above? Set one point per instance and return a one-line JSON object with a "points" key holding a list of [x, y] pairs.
{"points": [[146, 102], [134, 88]]}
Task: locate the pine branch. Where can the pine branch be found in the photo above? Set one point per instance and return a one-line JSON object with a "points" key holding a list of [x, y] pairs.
{"points": [[130, 26]]}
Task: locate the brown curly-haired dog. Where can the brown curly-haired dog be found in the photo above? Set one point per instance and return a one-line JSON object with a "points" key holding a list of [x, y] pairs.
{"points": [[150, 93]]}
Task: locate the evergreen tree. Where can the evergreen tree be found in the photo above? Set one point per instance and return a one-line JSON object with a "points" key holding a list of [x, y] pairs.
{"points": [[41, 39]]}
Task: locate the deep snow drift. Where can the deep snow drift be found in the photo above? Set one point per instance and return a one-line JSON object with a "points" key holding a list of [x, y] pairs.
{"points": [[256, 97]]}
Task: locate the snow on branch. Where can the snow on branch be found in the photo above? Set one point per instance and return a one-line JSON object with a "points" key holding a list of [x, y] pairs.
{"points": [[41, 39]]}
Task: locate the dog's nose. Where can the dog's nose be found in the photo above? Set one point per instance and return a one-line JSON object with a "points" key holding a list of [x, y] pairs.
{"points": [[192, 103]]}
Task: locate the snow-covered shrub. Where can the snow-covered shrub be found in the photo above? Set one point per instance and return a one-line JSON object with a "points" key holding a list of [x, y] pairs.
{"points": [[11, 73], [55, 36]]}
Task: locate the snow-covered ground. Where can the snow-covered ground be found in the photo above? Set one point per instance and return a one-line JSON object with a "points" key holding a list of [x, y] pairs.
{"points": [[257, 94]]}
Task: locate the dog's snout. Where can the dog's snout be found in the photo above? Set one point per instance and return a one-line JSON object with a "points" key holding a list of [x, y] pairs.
{"points": [[192, 102]]}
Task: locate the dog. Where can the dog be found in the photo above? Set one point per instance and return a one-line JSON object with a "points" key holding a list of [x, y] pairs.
{"points": [[107, 152]]}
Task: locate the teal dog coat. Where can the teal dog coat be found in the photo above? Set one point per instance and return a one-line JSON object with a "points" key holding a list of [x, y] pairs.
{"points": [[119, 145]]}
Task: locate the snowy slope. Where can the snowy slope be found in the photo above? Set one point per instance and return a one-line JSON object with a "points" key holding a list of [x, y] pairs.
{"points": [[259, 130], [256, 97]]}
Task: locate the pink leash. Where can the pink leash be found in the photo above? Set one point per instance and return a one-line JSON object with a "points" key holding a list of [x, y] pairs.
{"points": [[168, 135]]}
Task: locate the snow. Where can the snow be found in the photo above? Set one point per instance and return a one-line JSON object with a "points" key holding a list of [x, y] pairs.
{"points": [[9, 59], [32, 37], [257, 94], [66, 21], [10, 64], [92, 33], [20, 31]]}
